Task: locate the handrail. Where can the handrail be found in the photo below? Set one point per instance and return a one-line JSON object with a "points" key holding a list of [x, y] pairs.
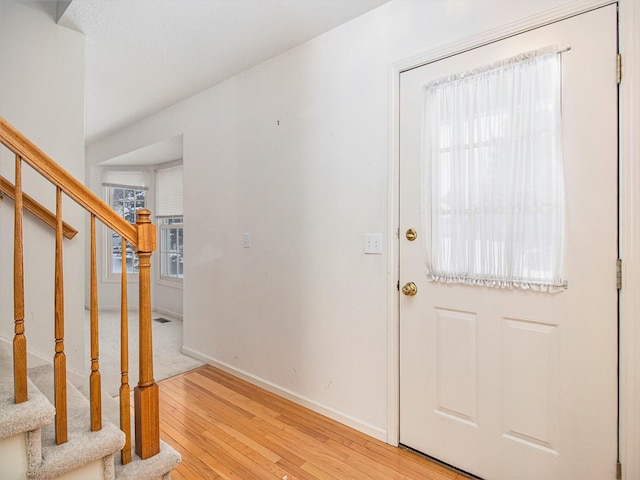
{"points": [[43, 164], [142, 236], [36, 208]]}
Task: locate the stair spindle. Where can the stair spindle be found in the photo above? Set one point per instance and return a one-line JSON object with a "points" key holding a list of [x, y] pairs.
{"points": [[125, 390], [19, 340], [60, 359], [95, 398]]}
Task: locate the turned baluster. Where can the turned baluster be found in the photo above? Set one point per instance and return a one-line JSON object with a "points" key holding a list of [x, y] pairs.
{"points": [[125, 390], [95, 398], [59, 360], [19, 340]]}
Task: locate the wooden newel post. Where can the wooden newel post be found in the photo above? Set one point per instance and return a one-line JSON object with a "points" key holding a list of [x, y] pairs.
{"points": [[147, 410]]}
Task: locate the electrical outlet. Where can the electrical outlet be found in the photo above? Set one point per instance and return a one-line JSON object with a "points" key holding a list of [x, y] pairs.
{"points": [[373, 243], [246, 239]]}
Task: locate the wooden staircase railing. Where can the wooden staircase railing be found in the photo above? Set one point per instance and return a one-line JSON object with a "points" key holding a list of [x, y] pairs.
{"points": [[36, 208], [142, 237]]}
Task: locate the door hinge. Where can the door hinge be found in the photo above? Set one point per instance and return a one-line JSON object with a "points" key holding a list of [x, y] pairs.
{"points": [[619, 68], [619, 273], [618, 471]]}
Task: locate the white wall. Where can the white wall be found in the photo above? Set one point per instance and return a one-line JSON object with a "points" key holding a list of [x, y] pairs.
{"points": [[167, 299], [295, 152], [42, 94]]}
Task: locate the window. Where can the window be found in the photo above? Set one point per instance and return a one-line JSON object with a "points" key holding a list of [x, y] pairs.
{"points": [[171, 247], [170, 222], [127, 193], [493, 205]]}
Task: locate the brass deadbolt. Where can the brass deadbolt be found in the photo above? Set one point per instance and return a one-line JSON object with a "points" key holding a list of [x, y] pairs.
{"points": [[411, 234], [410, 289]]}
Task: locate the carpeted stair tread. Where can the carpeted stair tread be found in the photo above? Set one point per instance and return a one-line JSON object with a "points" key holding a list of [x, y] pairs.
{"points": [[81, 449], [154, 467], [35, 413], [138, 469], [83, 446]]}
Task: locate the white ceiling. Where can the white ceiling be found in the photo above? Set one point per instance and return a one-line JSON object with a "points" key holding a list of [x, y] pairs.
{"points": [[164, 151], [145, 55]]}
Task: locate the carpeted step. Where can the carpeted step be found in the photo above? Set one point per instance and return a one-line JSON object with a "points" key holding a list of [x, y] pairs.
{"points": [[33, 414], [152, 468], [83, 446], [48, 460], [155, 467], [26, 417]]}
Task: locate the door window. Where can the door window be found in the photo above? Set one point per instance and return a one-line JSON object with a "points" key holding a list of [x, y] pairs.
{"points": [[493, 202]]}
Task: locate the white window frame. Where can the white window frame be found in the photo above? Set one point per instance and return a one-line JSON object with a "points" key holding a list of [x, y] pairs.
{"points": [[164, 228], [109, 274]]}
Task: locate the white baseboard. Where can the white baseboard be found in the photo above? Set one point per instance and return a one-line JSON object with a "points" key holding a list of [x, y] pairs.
{"points": [[365, 428], [174, 315], [115, 308], [161, 311]]}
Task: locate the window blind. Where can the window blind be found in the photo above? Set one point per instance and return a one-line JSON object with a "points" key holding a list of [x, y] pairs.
{"points": [[169, 192]]}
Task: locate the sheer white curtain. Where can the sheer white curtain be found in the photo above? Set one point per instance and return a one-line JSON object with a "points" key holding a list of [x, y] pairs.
{"points": [[493, 202]]}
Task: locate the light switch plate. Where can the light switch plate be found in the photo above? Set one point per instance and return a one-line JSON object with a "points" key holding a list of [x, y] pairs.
{"points": [[373, 243], [246, 239]]}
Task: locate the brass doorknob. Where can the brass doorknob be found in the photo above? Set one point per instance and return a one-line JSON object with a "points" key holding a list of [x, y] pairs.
{"points": [[410, 289], [411, 234]]}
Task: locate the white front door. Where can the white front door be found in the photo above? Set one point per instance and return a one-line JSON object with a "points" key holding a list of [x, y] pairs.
{"points": [[508, 383]]}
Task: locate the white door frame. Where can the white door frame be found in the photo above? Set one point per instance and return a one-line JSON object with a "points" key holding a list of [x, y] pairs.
{"points": [[629, 222]]}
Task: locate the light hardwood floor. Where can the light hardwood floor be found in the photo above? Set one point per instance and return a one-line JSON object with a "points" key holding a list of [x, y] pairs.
{"points": [[227, 428]]}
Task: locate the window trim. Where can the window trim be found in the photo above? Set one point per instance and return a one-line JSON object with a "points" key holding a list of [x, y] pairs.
{"points": [[170, 281], [108, 275]]}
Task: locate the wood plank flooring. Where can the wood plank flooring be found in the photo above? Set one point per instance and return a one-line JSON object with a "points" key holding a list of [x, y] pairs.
{"points": [[226, 428]]}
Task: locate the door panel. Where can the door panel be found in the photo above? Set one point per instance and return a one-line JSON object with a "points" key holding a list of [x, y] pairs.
{"points": [[531, 386], [510, 383], [456, 369]]}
